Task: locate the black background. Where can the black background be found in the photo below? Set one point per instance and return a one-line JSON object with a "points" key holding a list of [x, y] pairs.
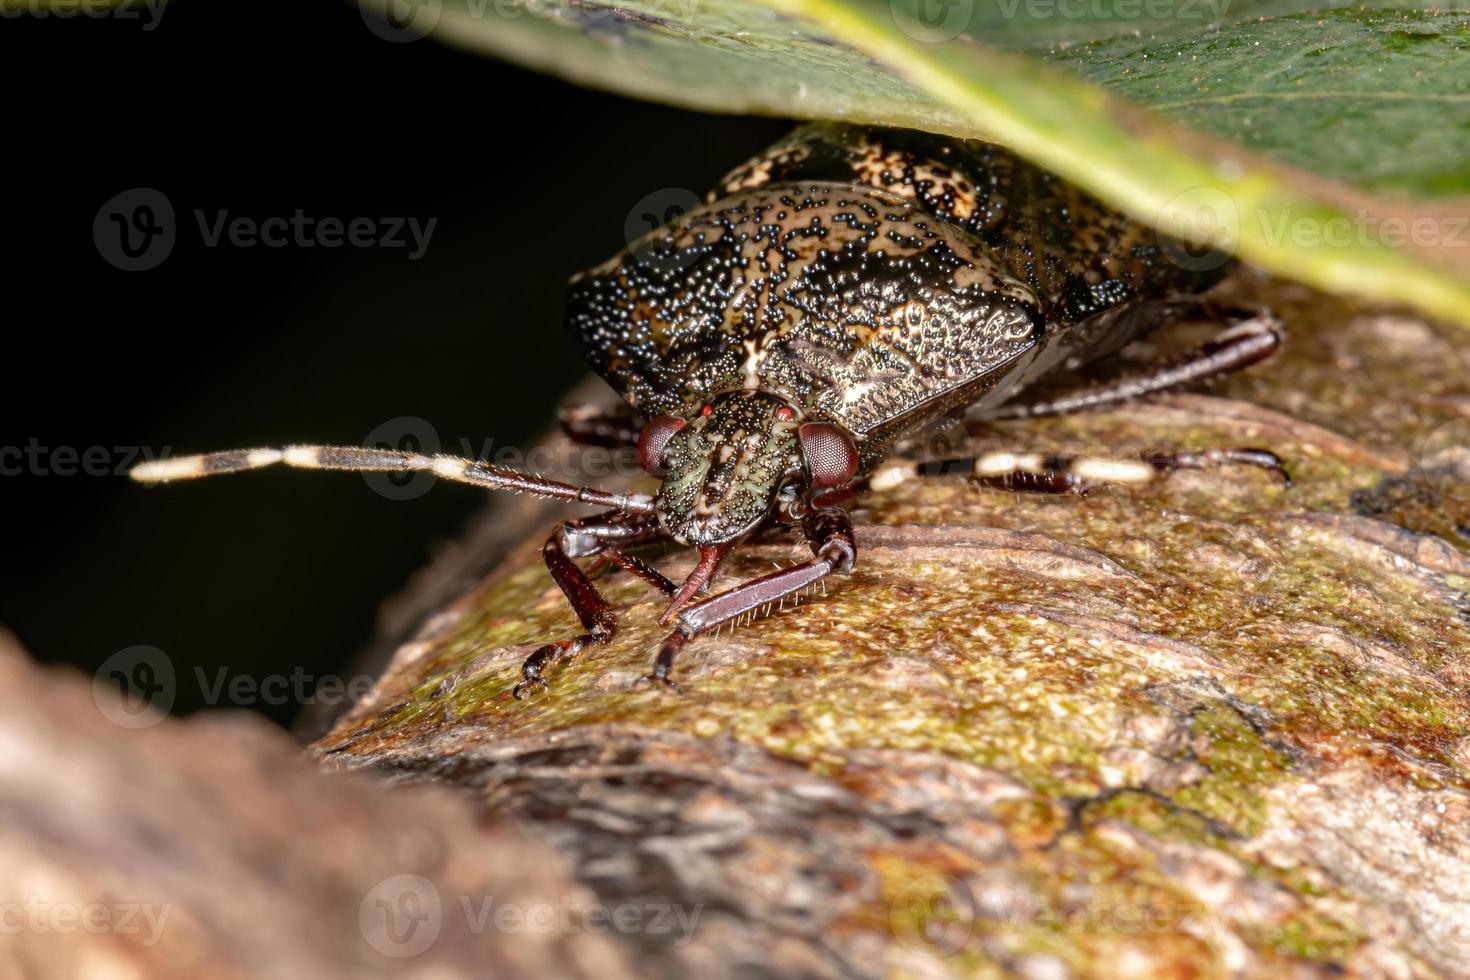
{"points": [[261, 109]]}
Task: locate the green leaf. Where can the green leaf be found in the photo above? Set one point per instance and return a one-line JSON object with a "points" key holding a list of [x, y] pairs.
{"points": [[1380, 99], [890, 64]]}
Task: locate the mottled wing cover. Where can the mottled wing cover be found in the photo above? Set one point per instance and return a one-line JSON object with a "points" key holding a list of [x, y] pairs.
{"points": [[1079, 255], [852, 303], [872, 276]]}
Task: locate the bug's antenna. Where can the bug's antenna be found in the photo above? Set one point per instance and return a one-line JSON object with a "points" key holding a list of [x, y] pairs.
{"points": [[366, 460]]}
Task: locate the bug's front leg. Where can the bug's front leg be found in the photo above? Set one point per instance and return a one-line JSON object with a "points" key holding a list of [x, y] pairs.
{"points": [[603, 538], [829, 532]]}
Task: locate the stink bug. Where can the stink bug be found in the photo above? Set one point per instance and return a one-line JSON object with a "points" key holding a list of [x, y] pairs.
{"points": [[840, 290]]}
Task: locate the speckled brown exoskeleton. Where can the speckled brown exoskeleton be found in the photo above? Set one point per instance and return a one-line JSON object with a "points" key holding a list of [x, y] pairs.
{"points": [[840, 290]]}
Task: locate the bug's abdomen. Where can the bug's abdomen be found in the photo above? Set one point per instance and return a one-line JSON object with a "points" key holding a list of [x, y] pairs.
{"points": [[1079, 255]]}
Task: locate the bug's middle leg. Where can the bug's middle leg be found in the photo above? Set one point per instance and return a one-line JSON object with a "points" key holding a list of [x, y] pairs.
{"points": [[828, 530], [602, 538]]}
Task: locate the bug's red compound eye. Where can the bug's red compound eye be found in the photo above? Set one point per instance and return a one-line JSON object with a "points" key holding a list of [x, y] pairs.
{"points": [[831, 457], [653, 438]]}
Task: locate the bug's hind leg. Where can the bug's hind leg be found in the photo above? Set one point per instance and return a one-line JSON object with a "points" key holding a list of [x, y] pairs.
{"points": [[1240, 345], [834, 549], [1063, 473], [602, 538]]}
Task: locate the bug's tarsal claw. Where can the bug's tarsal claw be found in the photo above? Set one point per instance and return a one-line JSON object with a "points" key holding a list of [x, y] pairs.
{"points": [[841, 553], [533, 668], [1263, 459], [1268, 460], [666, 683], [664, 662], [527, 685]]}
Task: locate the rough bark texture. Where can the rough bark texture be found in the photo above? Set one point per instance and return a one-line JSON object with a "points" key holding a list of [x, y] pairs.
{"points": [[1209, 728], [209, 848]]}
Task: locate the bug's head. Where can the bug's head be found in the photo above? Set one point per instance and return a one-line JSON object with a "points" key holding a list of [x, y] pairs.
{"points": [[724, 468]]}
